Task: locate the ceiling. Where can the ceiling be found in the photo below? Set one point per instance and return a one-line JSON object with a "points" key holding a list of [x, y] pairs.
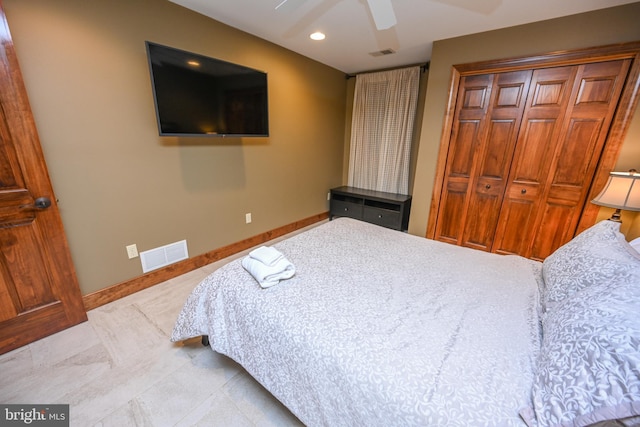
{"points": [[351, 35]]}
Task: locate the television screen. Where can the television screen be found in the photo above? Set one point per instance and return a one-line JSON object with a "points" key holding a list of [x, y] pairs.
{"points": [[200, 96]]}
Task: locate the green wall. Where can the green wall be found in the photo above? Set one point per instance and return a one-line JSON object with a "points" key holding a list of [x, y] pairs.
{"points": [[85, 69]]}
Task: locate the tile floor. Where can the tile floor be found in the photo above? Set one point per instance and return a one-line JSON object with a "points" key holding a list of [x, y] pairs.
{"points": [[120, 369]]}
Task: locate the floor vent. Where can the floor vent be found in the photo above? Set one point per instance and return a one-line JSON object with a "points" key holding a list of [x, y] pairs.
{"points": [[163, 256]]}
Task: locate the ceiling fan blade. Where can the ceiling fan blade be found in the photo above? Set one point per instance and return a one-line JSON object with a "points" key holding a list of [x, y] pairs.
{"points": [[382, 12], [289, 5]]}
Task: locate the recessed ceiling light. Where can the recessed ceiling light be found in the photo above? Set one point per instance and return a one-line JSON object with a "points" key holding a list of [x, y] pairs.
{"points": [[193, 63], [317, 36]]}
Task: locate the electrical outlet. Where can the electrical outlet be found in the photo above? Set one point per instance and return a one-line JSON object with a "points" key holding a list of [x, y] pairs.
{"points": [[247, 218], [132, 251]]}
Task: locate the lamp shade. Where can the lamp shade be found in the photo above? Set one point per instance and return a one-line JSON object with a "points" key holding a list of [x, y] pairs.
{"points": [[621, 192]]}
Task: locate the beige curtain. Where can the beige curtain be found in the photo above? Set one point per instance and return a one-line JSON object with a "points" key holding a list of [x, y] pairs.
{"points": [[384, 110]]}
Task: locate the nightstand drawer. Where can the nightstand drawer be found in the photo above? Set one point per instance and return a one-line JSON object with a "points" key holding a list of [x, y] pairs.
{"points": [[345, 208], [383, 217]]}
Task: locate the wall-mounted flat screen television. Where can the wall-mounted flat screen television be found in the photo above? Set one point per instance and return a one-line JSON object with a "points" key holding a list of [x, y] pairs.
{"points": [[196, 95]]}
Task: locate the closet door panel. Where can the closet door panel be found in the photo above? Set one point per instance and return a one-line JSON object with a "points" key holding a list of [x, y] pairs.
{"points": [[464, 148], [483, 215], [528, 174], [466, 138], [541, 126], [535, 150], [486, 197], [552, 232], [519, 216], [498, 142], [589, 114], [453, 206], [575, 156]]}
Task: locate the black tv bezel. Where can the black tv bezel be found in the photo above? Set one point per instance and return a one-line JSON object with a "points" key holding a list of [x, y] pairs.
{"points": [[212, 60]]}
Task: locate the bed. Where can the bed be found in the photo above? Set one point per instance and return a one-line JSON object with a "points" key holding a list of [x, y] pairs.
{"points": [[382, 328]]}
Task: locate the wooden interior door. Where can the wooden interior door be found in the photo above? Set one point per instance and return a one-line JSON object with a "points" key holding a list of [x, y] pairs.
{"points": [[39, 292]]}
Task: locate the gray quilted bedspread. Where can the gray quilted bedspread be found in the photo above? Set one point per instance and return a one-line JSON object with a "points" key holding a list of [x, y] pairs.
{"points": [[380, 328]]}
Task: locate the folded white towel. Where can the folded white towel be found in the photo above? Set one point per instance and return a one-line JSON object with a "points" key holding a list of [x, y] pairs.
{"points": [[268, 276], [266, 255]]}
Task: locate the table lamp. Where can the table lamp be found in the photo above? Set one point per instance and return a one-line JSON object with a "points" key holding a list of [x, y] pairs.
{"points": [[622, 191]]}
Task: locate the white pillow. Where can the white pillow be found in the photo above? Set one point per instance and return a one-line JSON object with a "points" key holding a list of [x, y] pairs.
{"points": [[589, 365], [599, 254]]}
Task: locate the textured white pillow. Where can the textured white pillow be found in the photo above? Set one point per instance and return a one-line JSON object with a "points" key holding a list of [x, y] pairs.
{"points": [[597, 255], [589, 365]]}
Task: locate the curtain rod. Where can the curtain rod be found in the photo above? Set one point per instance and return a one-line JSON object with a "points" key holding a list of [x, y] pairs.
{"points": [[423, 67]]}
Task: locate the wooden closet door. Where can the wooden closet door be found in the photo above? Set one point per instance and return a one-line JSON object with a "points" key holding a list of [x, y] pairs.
{"points": [[523, 153], [466, 135], [486, 192], [535, 223], [540, 130], [483, 138]]}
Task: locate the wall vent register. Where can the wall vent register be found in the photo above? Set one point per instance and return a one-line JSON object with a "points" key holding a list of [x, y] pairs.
{"points": [[163, 256]]}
